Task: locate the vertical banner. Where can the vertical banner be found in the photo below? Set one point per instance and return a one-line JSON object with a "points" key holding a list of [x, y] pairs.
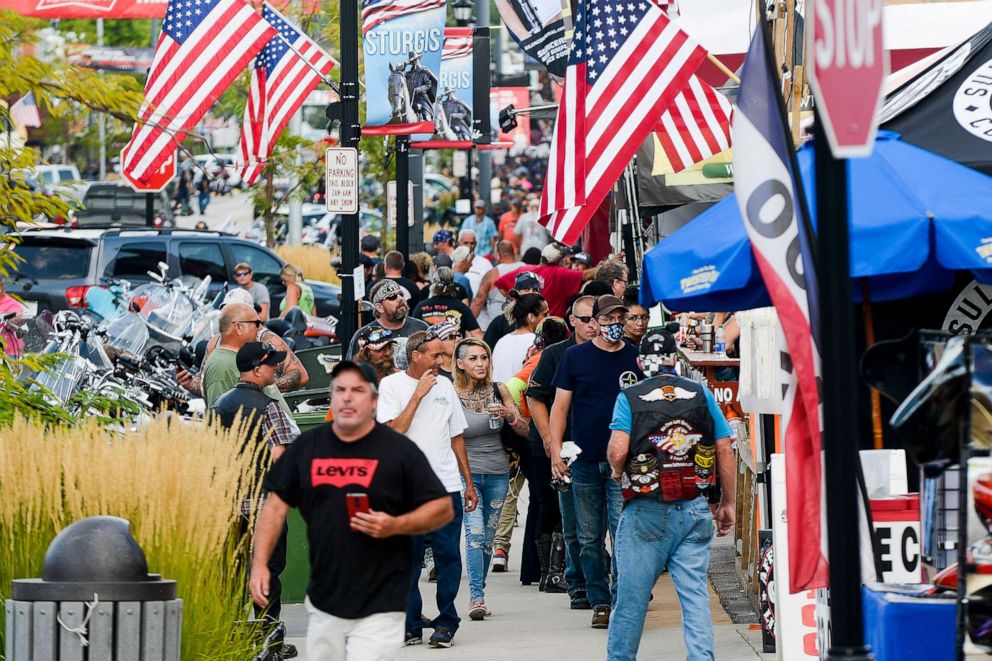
{"points": [[540, 27], [402, 42], [519, 98], [454, 105]]}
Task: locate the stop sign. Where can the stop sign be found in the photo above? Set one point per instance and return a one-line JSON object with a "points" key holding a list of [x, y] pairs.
{"points": [[158, 180], [849, 66]]}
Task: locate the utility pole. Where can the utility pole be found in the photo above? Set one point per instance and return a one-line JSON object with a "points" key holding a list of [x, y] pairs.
{"points": [[402, 195], [101, 118], [350, 134], [483, 20], [294, 233]]}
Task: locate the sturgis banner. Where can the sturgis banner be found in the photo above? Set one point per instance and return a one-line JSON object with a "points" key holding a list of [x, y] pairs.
{"points": [[453, 108], [540, 27], [402, 41]]}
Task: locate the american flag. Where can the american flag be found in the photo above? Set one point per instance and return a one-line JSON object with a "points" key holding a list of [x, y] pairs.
{"points": [[204, 45], [627, 64], [25, 112], [766, 185], [457, 43], [380, 11], [280, 82], [696, 125]]}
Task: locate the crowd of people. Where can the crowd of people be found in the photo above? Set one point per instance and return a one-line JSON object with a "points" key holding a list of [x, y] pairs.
{"points": [[477, 375]]}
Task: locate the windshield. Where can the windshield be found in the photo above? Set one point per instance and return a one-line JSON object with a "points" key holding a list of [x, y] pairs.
{"points": [[128, 335], [60, 261], [164, 309]]}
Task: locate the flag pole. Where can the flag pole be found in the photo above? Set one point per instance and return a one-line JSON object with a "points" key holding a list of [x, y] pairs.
{"points": [[305, 61], [724, 69]]}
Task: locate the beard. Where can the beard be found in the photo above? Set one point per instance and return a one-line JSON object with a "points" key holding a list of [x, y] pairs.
{"points": [[397, 315]]}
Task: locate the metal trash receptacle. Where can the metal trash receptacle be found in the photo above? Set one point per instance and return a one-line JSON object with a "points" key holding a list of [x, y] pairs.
{"points": [[95, 600]]}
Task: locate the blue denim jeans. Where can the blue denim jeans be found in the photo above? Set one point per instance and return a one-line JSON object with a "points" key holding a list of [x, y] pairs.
{"points": [[448, 560], [651, 535], [480, 530], [573, 566], [598, 503]]}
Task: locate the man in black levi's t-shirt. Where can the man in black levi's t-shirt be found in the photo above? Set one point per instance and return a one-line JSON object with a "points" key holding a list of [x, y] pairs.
{"points": [[362, 490]]}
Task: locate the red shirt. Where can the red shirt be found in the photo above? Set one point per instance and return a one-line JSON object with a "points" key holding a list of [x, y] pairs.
{"points": [[560, 284]]}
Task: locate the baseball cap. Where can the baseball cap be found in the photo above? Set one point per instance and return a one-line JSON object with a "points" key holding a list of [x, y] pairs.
{"points": [[583, 257], [658, 342], [479, 203], [552, 253], [386, 289], [238, 295], [460, 254], [255, 354], [364, 369], [376, 337], [527, 280], [443, 236], [370, 242], [606, 304], [441, 259]]}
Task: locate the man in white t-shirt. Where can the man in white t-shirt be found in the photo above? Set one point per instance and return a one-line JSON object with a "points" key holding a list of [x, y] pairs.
{"points": [[427, 410]]}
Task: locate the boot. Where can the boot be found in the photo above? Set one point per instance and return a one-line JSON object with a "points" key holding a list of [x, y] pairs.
{"points": [[543, 554], [556, 565]]}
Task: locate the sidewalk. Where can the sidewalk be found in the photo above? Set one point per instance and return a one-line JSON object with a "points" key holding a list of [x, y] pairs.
{"points": [[534, 625]]}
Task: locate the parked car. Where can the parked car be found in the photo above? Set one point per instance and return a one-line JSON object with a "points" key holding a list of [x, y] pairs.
{"points": [[60, 265], [107, 203]]}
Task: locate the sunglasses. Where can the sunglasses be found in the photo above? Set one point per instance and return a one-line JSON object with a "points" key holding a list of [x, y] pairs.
{"points": [[584, 318], [255, 322], [269, 349], [242, 273], [392, 297], [637, 318]]}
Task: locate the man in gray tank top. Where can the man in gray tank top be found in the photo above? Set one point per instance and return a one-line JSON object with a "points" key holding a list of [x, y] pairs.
{"points": [[489, 301]]}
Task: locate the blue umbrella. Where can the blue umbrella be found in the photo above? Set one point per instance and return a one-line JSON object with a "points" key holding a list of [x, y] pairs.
{"points": [[916, 218]]}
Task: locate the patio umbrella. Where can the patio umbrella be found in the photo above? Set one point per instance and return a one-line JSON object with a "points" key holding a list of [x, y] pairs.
{"points": [[916, 218]]}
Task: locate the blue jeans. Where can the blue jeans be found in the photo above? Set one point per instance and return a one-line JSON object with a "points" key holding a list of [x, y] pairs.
{"points": [[653, 534], [573, 566], [598, 503], [480, 530], [448, 561]]}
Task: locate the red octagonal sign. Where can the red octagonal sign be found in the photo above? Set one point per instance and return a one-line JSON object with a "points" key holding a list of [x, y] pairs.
{"points": [[158, 180], [849, 68]]}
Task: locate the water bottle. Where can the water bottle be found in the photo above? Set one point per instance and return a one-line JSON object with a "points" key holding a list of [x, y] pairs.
{"points": [[720, 343], [683, 330]]}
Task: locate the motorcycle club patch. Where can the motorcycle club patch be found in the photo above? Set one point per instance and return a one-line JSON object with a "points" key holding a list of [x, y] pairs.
{"points": [[668, 393]]}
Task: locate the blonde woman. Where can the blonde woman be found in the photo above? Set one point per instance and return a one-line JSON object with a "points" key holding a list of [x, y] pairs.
{"points": [[488, 407], [298, 293]]}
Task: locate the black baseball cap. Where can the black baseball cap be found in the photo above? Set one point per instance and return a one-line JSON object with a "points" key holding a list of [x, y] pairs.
{"points": [[658, 342], [366, 371], [254, 354]]}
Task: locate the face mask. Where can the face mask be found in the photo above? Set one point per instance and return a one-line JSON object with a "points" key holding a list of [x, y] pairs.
{"points": [[612, 333]]}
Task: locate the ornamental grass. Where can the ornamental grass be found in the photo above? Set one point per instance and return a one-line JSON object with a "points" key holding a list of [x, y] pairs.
{"points": [[315, 261], [179, 483]]}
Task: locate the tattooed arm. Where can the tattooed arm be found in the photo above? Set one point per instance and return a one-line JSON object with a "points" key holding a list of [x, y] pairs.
{"points": [[292, 374]]}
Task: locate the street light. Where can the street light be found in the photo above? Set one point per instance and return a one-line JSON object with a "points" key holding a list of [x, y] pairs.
{"points": [[462, 9]]}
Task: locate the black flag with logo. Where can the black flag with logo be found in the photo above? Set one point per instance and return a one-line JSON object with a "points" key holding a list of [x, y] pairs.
{"points": [[947, 109]]}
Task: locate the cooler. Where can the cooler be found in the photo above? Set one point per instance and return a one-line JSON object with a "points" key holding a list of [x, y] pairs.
{"points": [[902, 627]]}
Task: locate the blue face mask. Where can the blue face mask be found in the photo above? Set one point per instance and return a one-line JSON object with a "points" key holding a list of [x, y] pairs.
{"points": [[612, 333]]}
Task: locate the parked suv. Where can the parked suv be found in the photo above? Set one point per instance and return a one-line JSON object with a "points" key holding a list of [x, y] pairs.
{"points": [[108, 203], [59, 265]]}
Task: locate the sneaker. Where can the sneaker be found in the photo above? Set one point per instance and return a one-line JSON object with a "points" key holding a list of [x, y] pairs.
{"points": [[500, 561], [477, 610], [285, 651], [579, 602], [412, 639], [441, 637], [601, 617]]}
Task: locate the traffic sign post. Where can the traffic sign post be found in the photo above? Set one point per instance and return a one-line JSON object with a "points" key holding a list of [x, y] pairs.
{"points": [[849, 65]]}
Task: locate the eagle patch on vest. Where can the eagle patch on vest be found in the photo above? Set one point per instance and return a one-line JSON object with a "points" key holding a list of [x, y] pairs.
{"points": [[676, 437], [667, 393]]}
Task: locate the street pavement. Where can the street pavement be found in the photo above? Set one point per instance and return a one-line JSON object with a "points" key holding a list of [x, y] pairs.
{"points": [[530, 625], [235, 206]]}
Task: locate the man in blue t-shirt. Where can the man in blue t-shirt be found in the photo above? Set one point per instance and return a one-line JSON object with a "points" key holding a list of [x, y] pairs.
{"points": [[587, 383]]}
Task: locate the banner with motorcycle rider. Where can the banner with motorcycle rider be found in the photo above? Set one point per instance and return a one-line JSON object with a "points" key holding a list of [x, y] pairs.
{"points": [[453, 109], [402, 41]]}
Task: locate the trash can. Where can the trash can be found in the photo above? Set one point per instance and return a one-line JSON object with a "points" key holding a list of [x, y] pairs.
{"points": [[95, 600]]}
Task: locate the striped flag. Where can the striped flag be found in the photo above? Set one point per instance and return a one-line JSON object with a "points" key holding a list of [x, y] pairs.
{"points": [[696, 125], [280, 82], [627, 64], [375, 12], [25, 112], [774, 216], [457, 46], [204, 45]]}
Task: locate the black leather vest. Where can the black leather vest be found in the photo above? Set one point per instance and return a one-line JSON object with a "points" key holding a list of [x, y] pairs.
{"points": [[672, 452]]}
